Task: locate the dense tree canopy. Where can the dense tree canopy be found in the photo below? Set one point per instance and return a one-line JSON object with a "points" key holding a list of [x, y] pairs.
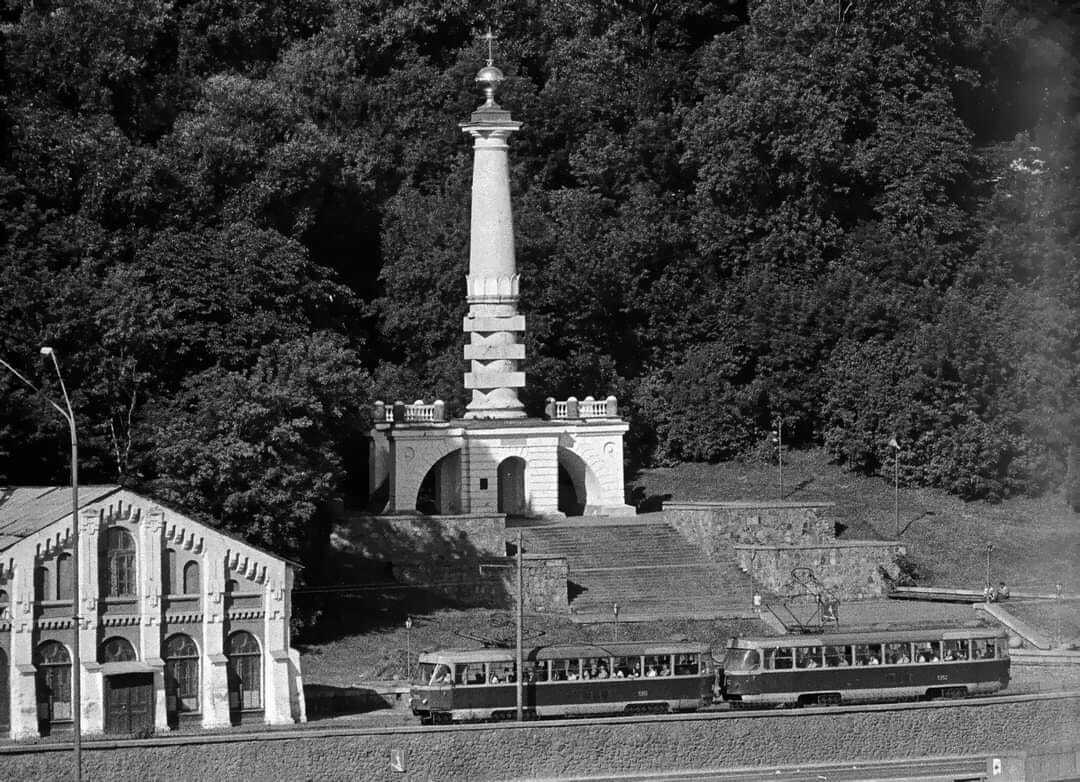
{"points": [[238, 222]]}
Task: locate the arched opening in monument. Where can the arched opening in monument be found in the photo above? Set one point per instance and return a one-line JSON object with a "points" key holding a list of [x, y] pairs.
{"points": [[569, 501], [512, 486], [440, 491], [577, 483]]}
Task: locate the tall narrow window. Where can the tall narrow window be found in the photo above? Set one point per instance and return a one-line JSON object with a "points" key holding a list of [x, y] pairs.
{"points": [[117, 650], [5, 610], [64, 584], [245, 671], [43, 583], [120, 557], [53, 681], [191, 578], [182, 673], [169, 579]]}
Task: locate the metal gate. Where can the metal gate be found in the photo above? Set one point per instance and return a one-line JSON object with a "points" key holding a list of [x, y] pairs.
{"points": [[129, 703]]}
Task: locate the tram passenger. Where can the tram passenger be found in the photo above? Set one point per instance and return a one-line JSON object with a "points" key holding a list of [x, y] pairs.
{"points": [[665, 671], [602, 673], [650, 673]]}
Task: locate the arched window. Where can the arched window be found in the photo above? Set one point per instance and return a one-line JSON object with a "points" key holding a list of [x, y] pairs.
{"points": [[120, 562], [53, 681], [245, 671], [191, 578], [43, 583], [169, 577], [230, 586], [4, 600], [64, 585], [181, 673], [117, 650]]}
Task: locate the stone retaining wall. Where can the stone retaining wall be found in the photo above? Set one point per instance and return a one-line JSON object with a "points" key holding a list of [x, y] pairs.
{"points": [[715, 526], [579, 747], [851, 570]]}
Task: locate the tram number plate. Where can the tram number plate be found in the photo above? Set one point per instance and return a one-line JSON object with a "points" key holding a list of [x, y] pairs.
{"points": [[943, 677], [643, 693]]}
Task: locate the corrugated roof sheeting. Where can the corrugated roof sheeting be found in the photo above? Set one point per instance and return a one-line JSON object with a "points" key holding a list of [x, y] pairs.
{"points": [[25, 510]]}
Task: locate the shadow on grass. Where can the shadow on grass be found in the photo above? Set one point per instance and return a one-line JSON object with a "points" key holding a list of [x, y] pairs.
{"points": [[377, 571], [646, 503]]}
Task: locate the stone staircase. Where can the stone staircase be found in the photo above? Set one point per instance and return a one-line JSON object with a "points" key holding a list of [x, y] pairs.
{"points": [[642, 564]]}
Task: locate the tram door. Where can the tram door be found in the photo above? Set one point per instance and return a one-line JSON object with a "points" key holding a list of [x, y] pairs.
{"points": [[129, 703], [512, 486]]}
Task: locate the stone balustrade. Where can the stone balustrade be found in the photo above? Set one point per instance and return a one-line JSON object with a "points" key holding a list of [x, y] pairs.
{"points": [[416, 413], [586, 408]]}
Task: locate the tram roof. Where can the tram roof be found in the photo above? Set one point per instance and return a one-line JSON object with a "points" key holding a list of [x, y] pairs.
{"points": [[871, 636], [614, 649]]}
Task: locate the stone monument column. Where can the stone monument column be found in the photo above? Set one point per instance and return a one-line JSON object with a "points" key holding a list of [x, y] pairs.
{"points": [[493, 323]]}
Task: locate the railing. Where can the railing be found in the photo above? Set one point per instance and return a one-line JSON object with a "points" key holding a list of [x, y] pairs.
{"points": [[416, 413], [586, 408]]}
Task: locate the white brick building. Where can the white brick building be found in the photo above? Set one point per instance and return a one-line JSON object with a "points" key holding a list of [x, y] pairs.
{"points": [[179, 622]]}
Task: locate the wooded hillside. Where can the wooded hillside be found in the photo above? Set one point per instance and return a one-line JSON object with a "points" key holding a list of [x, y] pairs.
{"points": [[240, 222]]}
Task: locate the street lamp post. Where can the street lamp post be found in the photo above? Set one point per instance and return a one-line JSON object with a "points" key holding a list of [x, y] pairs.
{"points": [[894, 443], [989, 548], [778, 438], [408, 648], [76, 665], [76, 678]]}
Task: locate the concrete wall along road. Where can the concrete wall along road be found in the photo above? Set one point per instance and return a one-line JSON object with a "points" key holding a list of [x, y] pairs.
{"points": [[579, 747]]}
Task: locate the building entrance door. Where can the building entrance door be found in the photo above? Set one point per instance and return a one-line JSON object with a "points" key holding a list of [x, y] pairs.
{"points": [[129, 703], [512, 486]]}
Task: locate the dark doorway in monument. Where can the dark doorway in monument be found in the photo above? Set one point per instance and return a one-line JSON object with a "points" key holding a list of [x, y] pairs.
{"points": [[440, 491], [512, 486], [569, 502], [577, 482]]}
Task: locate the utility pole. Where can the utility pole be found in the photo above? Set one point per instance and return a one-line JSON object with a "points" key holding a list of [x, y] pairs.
{"points": [[520, 622]]}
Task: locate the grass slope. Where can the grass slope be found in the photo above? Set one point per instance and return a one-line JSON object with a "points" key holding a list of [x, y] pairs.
{"points": [[1036, 541], [1036, 545]]}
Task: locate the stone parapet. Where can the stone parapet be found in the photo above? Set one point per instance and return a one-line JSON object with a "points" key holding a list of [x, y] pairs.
{"points": [[850, 570]]}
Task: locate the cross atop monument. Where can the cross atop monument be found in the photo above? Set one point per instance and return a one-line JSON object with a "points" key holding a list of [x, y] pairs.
{"points": [[489, 37]]}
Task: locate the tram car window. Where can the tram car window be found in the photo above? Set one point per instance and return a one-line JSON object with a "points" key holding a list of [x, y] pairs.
{"points": [[982, 649], [626, 667], [657, 665], [928, 651], [780, 659], [808, 657], [470, 673], [897, 653], [742, 660], [686, 664], [536, 671], [837, 656], [955, 650]]}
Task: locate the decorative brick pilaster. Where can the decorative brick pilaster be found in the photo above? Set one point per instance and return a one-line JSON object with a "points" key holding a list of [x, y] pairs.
{"points": [[215, 684], [24, 715]]}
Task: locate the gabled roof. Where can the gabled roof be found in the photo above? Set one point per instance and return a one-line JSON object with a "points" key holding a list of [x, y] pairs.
{"points": [[25, 510]]}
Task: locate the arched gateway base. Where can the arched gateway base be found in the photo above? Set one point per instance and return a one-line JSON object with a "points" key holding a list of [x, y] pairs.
{"points": [[500, 466]]}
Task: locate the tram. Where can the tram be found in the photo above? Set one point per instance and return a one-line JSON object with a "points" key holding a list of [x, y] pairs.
{"points": [[560, 681], [864, 666]]}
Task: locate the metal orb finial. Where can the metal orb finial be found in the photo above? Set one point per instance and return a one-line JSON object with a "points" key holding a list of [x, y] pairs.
{"points": [[489, 75]]}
